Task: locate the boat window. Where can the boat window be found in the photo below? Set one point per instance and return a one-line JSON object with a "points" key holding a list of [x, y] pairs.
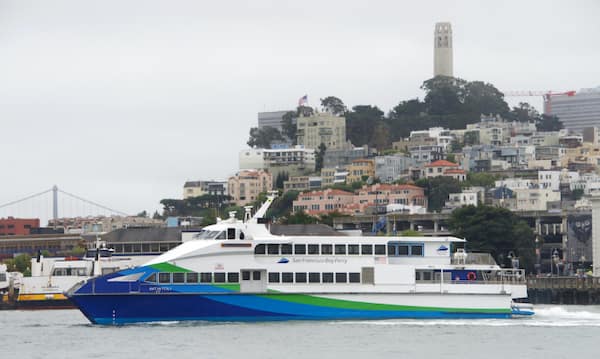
{"points": [[402, 250], [286, 249], [326, 249], [106, 271], [366, 249], [242, 236], [219, 277], [221, 235], [416, 250], [341, 277], [260, 249], [245, 275], [205, 277], [354, 277], [209, 235], [313, 249], [423, 275], [164, 277], [287, 277], [191, 277], [178, 277], [340, 249], [327, 277], [273, 277], [301, 277], [233, 277], [314, 277], [151, 278], [255, 275], [380, 249], [353, 249], [230, 233], [299, 248], [273, 249]]}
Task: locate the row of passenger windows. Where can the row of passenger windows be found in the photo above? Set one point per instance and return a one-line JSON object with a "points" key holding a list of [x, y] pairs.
{"points": [[234, 277], [314, 277], [392, 249]]}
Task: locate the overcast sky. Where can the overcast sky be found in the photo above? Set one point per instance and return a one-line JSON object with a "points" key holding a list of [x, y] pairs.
{"points": [[123, 101]]}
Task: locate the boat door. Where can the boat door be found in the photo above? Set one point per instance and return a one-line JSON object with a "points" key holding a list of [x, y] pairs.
{"points": [[253, 281]]}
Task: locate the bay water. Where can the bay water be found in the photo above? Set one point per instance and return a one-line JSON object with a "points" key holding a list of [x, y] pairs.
{"points": [[554, 332]]}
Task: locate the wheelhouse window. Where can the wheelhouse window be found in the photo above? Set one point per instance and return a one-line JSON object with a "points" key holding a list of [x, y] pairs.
{"points": [[151, 278], [299, 248]]}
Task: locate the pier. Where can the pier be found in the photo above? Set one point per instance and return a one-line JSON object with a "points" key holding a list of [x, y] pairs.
{"points": [[564, 290]]}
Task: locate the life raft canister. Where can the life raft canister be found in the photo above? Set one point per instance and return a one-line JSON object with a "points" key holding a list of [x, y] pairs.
{"points": [[471, 276]]}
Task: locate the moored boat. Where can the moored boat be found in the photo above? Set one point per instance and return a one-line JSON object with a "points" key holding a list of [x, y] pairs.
{"points": [[238, 271]]}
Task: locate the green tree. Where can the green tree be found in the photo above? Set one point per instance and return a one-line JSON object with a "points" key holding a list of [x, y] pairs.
{"points": [[304, 111], [289, 128], [320, 157], [361, 123], [548, 123], [333, 105], [280, 179], [300, 218], [157, 215], [451, 157], [263, 137], [411, 233], [142, 214], [524, 112], [282, 206], [495, 230], [437, 190], [484, 98], [481, 179], [444, 95], [576, 194]]}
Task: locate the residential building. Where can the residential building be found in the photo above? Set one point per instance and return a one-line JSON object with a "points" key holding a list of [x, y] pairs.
{"points": [[444, 168], [302, 183], [200, 188], [343, 157], [331, 176], [360, 169], [586, 156], [391, 168], [425, 154], [591, 135], [534, 199], [383, 194], [323, 128], [545, 138], [11, 226], [294, 161], [319, 202], [577, 112], [464, 198], [246, 185]]}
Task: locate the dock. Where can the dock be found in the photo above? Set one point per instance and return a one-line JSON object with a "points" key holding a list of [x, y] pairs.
{"points": [[564, 290]]}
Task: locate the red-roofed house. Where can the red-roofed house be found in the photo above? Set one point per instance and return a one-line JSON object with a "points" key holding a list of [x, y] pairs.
{"points": [[319, 202], [444, 168]]}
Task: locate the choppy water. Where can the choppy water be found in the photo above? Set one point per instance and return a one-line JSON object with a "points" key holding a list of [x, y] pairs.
{"points": [[555, 332]]}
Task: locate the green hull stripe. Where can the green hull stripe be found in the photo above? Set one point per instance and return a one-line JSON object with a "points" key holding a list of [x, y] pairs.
{"points": [[169, 268], [347, 304]]}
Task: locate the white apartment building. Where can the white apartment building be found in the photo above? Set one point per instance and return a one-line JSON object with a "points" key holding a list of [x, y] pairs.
{"points": [[294, 161]]}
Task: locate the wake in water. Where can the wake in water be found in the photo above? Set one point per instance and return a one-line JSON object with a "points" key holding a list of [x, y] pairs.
{"points": [[545, 316]]}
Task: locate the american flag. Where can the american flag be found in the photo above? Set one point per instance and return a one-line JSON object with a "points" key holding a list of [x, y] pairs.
{"points": [[303, 100]]}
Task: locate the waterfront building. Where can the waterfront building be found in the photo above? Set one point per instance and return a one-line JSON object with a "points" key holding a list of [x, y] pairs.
{"points": [[11, 226], [578, 111], [201, 188], [246, 185], [323, 128], [442, 50]]}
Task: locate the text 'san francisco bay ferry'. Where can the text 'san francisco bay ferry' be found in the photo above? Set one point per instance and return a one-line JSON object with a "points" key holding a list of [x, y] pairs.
{"points": [[238, 271]]}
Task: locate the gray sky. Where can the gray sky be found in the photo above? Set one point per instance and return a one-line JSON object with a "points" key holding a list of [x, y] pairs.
{"points": [[122, 101]]}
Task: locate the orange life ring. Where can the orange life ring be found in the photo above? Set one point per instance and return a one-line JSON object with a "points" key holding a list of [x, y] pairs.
{"points": [[471, 276]]}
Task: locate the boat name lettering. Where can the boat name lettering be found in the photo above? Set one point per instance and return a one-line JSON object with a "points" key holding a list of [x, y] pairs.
{"points": [[160, 289], [321, 260]]}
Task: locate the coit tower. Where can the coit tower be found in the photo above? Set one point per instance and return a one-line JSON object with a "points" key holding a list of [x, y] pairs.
{"points": [[442, 50]]}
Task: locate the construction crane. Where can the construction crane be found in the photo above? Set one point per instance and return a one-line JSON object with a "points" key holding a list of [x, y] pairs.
{"points": [[546, 96]]}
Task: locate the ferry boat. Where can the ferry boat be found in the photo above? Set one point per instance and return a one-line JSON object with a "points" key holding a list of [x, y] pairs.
{"points": [[238, 271]]}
